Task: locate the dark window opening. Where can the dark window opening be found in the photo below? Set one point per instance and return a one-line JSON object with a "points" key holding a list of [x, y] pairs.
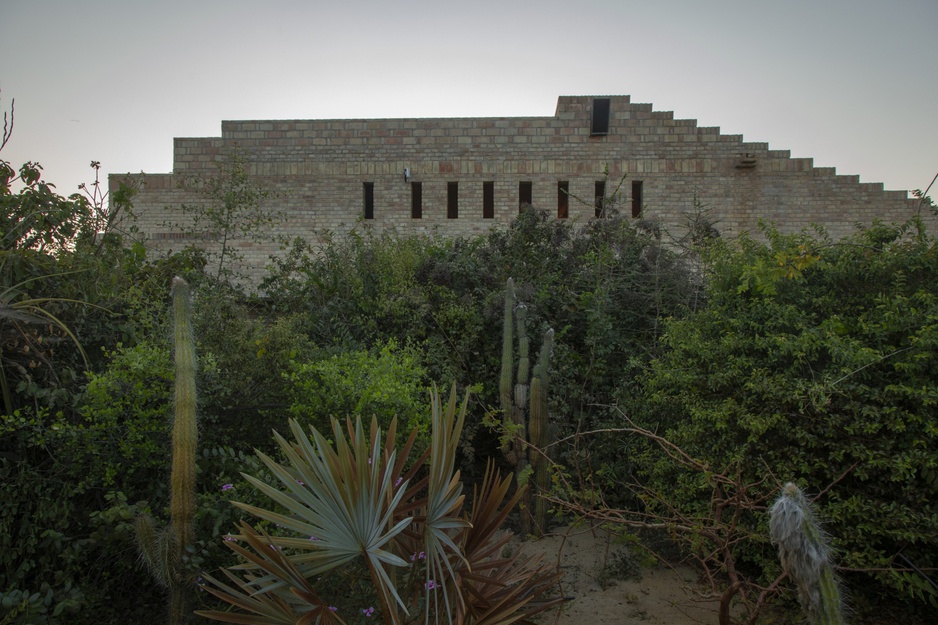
{"points": [[369, 188], [636, 198], [525, 191], [488, 200], [599, 124], [452, 200], [416, 200], [563, 199], [600, 197]]}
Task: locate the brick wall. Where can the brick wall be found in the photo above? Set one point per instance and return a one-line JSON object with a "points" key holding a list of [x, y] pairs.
{"points": [[320, 168]]}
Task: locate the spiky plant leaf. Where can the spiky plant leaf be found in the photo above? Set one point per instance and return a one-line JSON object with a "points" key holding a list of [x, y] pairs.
{"points": [[345, 496], [444, 501], [262, 609], [357, 496], [157, 549], [299, 604], [499, 590]]}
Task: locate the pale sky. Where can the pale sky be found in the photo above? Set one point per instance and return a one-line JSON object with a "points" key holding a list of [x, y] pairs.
{"points": [[849, 83]]}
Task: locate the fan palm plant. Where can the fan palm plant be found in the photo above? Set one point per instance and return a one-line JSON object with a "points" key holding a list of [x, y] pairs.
{"points": [[359, 507]]}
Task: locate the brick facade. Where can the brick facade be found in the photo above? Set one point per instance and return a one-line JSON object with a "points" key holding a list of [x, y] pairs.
{"points": [[322, 169]]}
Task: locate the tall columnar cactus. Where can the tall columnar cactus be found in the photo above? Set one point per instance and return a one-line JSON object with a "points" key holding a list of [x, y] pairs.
{"points": [[806, 556], [506, 386], [185, 428], [537, 426], [163, 550], [522, 379], [524, 406]]}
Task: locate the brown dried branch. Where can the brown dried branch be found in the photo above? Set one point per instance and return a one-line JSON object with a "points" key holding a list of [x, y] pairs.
{"points": [[832, 484], [730, 498]]}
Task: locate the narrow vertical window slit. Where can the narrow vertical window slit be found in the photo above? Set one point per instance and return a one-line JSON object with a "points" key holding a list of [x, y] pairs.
{"points": [[636, 198], [488, 200], [563, 199], [525, 193], [599, 197], [369, 200], [416, 200], [452, 200], [599, 121]]}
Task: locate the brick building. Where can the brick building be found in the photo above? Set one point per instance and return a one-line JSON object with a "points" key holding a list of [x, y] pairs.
{"points": [[459, 176]]}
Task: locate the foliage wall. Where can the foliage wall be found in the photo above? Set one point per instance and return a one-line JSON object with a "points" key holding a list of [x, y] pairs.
{"points": [[802, 359], [87, 368], [814, 362], [606, 289]]}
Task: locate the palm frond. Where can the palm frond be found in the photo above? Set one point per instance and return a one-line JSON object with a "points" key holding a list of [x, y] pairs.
{"points": [[444, 502], [368, 505], [344, 496], [262, 604], [499, 590]]}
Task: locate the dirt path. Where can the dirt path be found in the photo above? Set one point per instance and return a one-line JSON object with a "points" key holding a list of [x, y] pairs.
{"points": [[610, 587]]}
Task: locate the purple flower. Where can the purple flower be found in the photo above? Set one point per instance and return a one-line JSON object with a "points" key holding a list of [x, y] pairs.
{"points": [[398, 482], [229, 537], [313, 538], [418, 556], [368, 611], [332, 608], [430, 585], [225, 487]]}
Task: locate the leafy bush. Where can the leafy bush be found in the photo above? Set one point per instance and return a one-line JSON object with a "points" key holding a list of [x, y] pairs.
{"points": [[605, 287], [85, 392], [385, 382], [125, 429], [814, 362], [53, 524], [244, 393]]}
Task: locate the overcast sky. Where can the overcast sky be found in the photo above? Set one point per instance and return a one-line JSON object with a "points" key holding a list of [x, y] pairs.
{"points": [[850, 83]]}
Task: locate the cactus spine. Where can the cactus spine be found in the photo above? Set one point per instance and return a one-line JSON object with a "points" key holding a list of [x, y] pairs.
{"points": [[524, 363], [185, 428], [805, 554], [505, 386], [524, 406], [163, 551], [537, 426]]}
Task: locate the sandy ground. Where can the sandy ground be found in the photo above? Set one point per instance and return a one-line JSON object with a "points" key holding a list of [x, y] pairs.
{"points": [[610, 587]]}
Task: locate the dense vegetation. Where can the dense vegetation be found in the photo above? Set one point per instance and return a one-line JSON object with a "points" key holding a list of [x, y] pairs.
{"points": [[813, 362], [795, 359]]}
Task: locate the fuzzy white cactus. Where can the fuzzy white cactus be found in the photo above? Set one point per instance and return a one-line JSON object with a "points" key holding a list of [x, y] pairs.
{"points": [[806, 556]]}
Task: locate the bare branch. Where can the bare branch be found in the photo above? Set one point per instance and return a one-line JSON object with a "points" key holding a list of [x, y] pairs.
{"points": [[832, 484], [7, 130]]}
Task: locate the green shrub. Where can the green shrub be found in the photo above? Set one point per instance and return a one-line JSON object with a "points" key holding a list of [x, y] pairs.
{"points": [[54, 525], [605, 287], [814, 362], [243, 393], [385, 382], [124, 431]]}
